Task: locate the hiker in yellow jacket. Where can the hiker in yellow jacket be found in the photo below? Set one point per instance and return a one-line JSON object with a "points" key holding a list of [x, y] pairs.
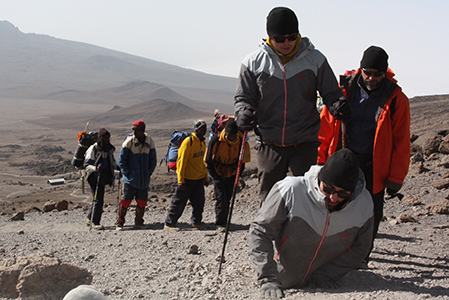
{"points": [[192, 177]]}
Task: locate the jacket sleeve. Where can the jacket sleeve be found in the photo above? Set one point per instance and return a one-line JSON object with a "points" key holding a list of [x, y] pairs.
{"points": [[263, 230], [327, 135], [123, 160], [152, 157], [400, 158], [247, 92], [183, 157], [89, 160], [352, 257], [327, 84], [152, 160], [208, 157]]}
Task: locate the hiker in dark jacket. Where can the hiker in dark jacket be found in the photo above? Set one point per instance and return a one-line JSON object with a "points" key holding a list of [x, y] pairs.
{"points": [[321, 224], [222, 157], [379, 133], [276, 90], [137, 161], [100, 165]]}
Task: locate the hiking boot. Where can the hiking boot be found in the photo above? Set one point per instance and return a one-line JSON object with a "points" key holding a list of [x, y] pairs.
{"points": [[140, 226], [88, 222], [118, 228], [199, 225], [121, 213], [138, 221], [171, 227], [98, 227]]}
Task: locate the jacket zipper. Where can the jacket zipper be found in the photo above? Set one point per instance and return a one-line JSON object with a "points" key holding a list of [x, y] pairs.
{"points": [[323, 237], [285, 104]]}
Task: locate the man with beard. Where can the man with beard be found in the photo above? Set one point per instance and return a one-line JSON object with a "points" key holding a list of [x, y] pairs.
{"points": [[100, 165], [379, 132]]}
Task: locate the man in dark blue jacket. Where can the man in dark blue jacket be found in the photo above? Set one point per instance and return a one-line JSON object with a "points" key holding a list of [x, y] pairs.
{"points": [[137, 161]]}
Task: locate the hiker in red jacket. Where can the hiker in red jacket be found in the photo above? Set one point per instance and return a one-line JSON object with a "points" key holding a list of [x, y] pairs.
{"points": [[379, 132]]}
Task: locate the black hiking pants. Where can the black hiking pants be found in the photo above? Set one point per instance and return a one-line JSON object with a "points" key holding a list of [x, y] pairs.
{"points": [[97, 204], [366, 165], [223, 188], [274, 162], [195, 192]]}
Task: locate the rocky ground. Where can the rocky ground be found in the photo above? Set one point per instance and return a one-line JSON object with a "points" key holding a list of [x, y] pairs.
{"points": [[410, 259]]}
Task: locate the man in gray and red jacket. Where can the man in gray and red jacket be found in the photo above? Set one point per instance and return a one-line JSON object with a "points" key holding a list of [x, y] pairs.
{"points": [[276, 95], [321, 224]]}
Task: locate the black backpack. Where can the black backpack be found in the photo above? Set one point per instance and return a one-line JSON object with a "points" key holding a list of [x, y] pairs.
{"points": [[85, 140]]}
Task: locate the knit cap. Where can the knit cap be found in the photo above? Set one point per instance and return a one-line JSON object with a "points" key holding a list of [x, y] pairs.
{"points": [[341, 170], [375, 58], [197, 124], [281, 21]]}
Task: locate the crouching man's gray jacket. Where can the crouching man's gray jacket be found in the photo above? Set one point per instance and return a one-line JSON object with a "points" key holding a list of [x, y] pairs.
{"points": [[310, 240]]}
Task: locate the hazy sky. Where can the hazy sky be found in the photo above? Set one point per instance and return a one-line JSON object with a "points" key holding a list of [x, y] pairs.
{"points": [[214, 36]]}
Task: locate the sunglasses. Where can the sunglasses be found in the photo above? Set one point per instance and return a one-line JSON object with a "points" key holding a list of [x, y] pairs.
{"points": [[281, 39], [374, 74], [330, 190]]}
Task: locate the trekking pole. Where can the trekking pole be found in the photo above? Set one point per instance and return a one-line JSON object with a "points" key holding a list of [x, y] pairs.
{"points": [[94, 202], [343, 135], [237, 175], [118, 190]]}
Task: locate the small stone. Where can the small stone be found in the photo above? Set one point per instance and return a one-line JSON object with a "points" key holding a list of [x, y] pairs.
{"points": [[193, 249], [19, 216]]}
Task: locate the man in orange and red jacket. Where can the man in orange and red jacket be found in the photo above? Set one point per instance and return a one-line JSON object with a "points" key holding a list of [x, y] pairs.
{"points": [[379, 132]]}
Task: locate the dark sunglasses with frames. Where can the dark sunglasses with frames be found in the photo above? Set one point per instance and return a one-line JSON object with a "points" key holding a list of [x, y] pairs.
{"points": [[281, 39], [374, 74], [330, 190]]}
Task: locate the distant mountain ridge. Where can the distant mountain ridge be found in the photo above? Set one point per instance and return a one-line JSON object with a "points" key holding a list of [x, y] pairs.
{"points": [[152, 112], [36, 66]]}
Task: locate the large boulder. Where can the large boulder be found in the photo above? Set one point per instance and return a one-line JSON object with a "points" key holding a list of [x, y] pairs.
{"points": [[40, 277]]}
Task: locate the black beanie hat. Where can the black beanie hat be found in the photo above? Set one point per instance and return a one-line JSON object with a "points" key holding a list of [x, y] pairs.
{"points": [[375, 58], [281, 21], [341, 170]]}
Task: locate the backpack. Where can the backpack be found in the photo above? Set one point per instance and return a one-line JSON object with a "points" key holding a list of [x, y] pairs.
{"points": [[176, 140], [219, 123], [85, 140]]}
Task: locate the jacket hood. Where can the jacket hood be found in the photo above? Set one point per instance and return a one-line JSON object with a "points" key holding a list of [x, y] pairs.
{"points": [[311, 179]]}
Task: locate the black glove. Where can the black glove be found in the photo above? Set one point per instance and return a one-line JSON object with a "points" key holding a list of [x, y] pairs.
{"points": [[271, 290], [341, 110], [391, 193], [323, 282], [246, 120]]}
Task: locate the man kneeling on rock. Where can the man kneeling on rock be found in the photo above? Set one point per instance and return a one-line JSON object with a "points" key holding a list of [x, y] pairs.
{"points": [[321, 224]]}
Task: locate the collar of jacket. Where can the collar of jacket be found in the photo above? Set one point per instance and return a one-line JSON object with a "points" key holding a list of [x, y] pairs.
{"points": [[286, 58], [224, 138], [146, 141]]}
